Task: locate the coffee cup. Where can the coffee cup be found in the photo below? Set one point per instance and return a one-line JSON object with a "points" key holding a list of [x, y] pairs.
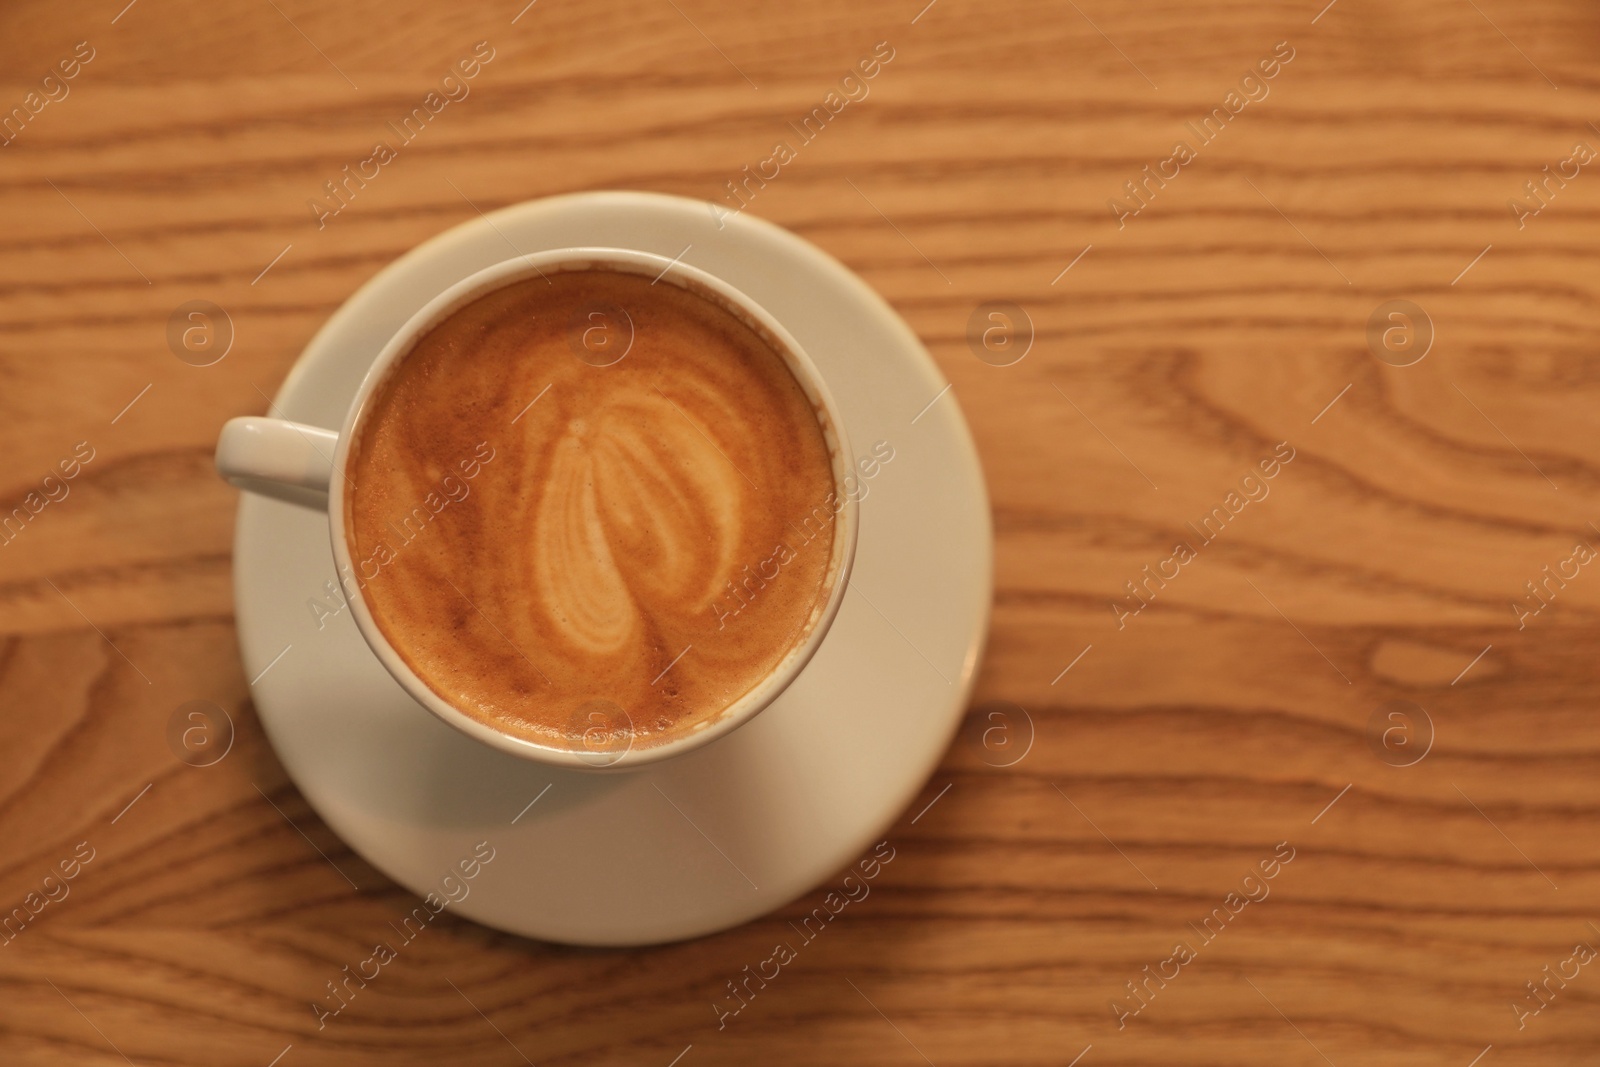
{"points": [[312, 464]]}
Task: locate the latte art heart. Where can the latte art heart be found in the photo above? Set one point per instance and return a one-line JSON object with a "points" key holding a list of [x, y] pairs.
{"points": [[637, 481], [592, 562]]}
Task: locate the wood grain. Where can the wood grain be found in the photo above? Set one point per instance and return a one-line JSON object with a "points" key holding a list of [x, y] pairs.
{"points": [[1175, 353]]}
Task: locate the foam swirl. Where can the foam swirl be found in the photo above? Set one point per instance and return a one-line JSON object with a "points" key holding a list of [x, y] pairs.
{"points": [[649, 516]]}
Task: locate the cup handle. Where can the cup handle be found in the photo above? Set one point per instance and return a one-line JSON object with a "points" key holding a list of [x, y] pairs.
{"points": [[272, 455]]}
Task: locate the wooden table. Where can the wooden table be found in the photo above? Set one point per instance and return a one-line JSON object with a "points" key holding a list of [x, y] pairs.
{"points": [[1444, 851]]}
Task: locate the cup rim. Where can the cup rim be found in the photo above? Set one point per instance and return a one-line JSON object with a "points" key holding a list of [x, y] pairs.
{"points": [[563, 260]]}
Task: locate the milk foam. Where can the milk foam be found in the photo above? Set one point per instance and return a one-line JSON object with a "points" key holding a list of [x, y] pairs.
{"points": [[587, 563]]}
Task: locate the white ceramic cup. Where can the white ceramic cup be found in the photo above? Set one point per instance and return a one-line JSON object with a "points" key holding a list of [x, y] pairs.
{"points": [[302, 462]]}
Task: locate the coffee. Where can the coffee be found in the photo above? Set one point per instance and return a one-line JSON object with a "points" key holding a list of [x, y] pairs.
{"points": [[591, 510]]}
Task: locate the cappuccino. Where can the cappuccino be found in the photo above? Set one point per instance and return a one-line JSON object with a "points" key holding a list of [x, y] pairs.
{"points": [[592, 506]]}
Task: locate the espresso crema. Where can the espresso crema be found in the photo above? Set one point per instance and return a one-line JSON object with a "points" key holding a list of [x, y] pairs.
{"points": [[592, 511]]}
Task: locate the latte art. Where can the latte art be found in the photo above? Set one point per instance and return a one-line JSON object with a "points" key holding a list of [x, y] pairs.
{"points": [[625, 503], [635, 480]]}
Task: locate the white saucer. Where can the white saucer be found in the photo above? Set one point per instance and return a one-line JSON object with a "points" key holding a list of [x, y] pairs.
{"points": [[722, 835]]}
